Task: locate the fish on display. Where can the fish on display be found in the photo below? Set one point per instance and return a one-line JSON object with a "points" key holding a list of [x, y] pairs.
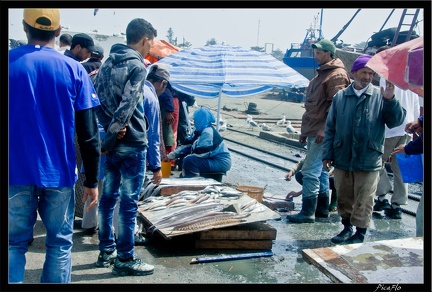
{"points": [[222, 219]]}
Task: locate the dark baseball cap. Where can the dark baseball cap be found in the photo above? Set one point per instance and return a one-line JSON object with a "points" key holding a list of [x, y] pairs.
{"points": [[99, 51], [84, 40]]}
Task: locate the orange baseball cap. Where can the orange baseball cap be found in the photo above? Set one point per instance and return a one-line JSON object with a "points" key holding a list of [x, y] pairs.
{"points": [[43, 19]]}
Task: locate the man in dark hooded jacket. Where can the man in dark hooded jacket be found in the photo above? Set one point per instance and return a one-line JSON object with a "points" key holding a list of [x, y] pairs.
{"points": [[120, 83]]}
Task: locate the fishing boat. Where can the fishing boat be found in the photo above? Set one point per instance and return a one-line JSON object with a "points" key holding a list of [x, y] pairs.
{"points": [[300, 56], [390, 36]]}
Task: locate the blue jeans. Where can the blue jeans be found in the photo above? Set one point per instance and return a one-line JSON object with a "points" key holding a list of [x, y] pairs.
{"points": [[315, 177], [124, 175], [194, 165], [56, 209]]}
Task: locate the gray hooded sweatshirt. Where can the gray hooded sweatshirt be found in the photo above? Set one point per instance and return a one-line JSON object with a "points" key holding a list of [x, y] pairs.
{"points": [[120, 88]]}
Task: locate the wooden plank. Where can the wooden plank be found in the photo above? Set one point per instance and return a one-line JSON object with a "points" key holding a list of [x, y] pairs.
{"points": [[234, 244], [256, 230], [334, 261], [397, 261]]}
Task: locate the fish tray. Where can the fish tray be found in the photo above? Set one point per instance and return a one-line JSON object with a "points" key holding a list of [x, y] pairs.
{"points": [[148, 218], [256, 193]]}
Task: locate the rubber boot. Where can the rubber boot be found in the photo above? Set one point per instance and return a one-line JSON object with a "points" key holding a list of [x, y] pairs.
{"points": [[333, 202], [180, 164], [358, 237], [322, 205], [307, 213], [345, 234]]}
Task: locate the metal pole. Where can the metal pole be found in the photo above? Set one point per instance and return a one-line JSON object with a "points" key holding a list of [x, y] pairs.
{"points": [[335, 38], [258, 31], [219, 109], [184, 105], [320, 29], [231, 257], [385, 22]]}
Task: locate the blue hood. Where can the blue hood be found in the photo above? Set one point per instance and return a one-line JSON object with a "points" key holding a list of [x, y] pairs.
{"points": [[203, 118]]}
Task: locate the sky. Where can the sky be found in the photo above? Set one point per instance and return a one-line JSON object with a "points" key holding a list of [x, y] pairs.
{"points": [[268, 28]]}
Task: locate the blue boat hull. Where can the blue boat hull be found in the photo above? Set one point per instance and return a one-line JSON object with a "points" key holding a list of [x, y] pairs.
{"points": [[302, 61]]}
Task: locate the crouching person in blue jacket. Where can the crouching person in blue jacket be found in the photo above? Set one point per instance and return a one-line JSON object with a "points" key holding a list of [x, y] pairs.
{"points": [[204, 151]]}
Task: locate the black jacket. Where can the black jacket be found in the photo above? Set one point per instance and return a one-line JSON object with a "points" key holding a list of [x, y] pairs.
{"points": [[92, 64]]}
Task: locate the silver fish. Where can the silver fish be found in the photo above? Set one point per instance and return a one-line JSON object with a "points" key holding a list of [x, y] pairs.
{"points": [[202, 199], [217, 220], [152, 205], [198, 197], [188, 211], [248, 204]]}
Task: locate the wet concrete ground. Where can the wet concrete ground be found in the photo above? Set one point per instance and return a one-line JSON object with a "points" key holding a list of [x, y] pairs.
{"points": [[172, 258]]}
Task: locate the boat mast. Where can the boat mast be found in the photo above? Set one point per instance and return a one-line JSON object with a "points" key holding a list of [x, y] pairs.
{"points": [[385, 22], [311, 33], [258, 31], [335, 38], [320, 27]]}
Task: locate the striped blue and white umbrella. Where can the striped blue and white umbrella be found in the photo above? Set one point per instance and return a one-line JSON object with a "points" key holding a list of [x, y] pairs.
{"points": [[209, 71]]}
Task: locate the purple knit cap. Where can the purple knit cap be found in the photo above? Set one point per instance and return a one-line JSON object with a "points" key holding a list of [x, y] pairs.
{"points": [[360, 62]]}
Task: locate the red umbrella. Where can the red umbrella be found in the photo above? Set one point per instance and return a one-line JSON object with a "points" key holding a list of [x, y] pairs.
{"points": [[402, 65]]}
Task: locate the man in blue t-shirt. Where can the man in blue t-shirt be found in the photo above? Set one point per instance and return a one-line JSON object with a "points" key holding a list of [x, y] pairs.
{"points": [[51, 96]]}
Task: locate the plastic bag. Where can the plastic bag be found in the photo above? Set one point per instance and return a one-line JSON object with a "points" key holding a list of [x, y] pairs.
{"points": [[411, 167]]}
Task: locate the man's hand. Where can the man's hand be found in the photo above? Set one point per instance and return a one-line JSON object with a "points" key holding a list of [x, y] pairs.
{"points": [[169, 118], [93, 194], [289, 175], [171, 155], [399, 150], [413, 127], [319, 136], [327, 164], [302, 140], [388, 93], [121, 133], [157, 177], [292, 195]]}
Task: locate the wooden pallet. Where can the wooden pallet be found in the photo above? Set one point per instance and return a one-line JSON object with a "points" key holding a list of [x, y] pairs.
{"points": [[256, 235]]}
